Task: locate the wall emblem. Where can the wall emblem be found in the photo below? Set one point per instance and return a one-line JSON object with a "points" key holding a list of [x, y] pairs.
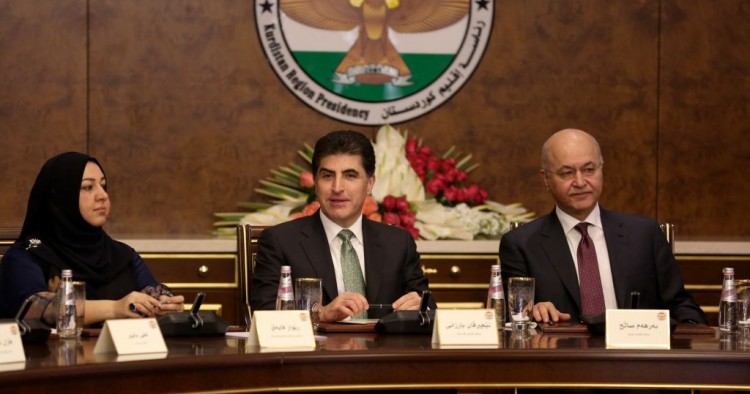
{"points": [[371, 62]]}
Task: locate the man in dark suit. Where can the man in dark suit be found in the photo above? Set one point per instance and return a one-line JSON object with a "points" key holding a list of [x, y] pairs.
{"points": [[343, 166], [631, 252]]}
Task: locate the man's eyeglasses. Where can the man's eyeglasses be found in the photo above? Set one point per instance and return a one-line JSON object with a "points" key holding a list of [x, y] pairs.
{"points": [[568, 174]]}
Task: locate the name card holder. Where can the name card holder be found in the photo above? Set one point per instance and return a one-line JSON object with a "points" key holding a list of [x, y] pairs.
{"points": [[130, 336], [282, 330], [637, 329], [11, 347], [465, 328]]}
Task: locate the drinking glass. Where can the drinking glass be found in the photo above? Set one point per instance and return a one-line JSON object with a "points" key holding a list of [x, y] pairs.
{"points": [[308, 293], [79, 288], [743, 305], [520, 302]]}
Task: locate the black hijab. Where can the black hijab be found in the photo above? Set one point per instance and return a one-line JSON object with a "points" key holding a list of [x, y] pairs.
{"points": [[55, 232]]}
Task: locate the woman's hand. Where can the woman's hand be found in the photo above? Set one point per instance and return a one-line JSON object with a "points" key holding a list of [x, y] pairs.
{"points": [[137, 305], [171, 304]]}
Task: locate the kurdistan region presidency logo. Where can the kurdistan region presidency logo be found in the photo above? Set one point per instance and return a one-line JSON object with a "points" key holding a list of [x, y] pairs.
{"points": [[371, 62]]}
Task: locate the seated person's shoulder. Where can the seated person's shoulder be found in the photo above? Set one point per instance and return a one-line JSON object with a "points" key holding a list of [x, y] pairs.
{"points": [[124, 246], [17, 253], [390, 230], [284, 227], [525, 230]]}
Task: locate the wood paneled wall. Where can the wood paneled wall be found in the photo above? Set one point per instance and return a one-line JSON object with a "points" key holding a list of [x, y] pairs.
{"points": [[178, 102]]}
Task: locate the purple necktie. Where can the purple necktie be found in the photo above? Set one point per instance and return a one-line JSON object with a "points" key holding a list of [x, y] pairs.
{"points": [[592, 296]]}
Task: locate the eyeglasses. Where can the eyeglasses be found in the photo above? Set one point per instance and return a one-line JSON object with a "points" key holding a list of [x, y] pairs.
{"points": [[568, 173]]}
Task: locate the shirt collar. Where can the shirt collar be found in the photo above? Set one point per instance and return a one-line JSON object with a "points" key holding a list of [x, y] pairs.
{"points": [[568, 222], [332, 229]]}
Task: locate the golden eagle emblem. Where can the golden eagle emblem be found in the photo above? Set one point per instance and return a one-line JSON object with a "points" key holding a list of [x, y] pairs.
{"points": [[373, 59]]}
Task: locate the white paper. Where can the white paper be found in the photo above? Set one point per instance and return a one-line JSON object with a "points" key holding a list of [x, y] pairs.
{"points": [[465, 328], [130, 336], [288, 330], [11, 346], [637, 329]]}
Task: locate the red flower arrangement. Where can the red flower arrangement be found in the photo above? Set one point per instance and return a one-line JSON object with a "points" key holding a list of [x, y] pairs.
{"points": [[443, 178], [397, 212]]}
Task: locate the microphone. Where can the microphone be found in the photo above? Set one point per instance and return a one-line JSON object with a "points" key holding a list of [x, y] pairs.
{"points": [[197, 320], [634, 299], [31, 330], [419, 322], [194, 323]]}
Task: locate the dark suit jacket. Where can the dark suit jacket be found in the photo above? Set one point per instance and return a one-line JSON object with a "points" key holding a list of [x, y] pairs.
{"points": [[391, 261], [639, 255]]}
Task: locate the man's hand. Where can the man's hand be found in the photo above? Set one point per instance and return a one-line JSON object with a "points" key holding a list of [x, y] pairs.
{"points": [[546, 312], [343, 306], [409, 301]]}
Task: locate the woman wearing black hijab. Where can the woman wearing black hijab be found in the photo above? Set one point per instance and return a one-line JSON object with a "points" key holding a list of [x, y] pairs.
{"points": [[67, 208]]}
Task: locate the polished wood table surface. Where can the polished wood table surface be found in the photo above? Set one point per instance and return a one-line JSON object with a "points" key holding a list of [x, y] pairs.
{"points": [[351, 361]]}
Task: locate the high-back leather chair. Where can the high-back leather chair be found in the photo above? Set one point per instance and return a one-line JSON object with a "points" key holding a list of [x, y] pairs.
{"points": [[8, 236], [668, 229], [247, 249]]}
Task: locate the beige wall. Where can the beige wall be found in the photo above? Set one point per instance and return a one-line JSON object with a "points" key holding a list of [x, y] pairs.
{"points": [[177, 101]]}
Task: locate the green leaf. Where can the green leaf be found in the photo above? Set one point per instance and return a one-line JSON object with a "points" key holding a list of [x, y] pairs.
{"points": [[306, 153], [472, 167], [463, 162], [277, 189], [298, 168], [290, 171], [226, 223], [230, 215], [256, 206], [449, 152]]}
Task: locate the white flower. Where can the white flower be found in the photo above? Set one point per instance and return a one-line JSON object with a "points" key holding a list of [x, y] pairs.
{"points": [[274, 215], [436, 221], [393, 173]]}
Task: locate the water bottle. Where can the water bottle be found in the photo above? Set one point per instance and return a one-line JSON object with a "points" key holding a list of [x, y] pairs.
{"points": [[728, 303], [66, 307], [285, 295], [496, 296]]}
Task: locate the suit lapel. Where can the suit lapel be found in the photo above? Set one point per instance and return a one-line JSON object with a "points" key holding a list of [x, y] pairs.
{"points": [[374, 257], [618, 252], [318, 253], [555, 245]]}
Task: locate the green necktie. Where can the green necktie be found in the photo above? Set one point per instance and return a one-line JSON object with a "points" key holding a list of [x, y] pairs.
{"points": [[354, 281]]}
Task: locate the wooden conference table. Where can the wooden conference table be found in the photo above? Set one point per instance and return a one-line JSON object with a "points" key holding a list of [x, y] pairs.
{"points": [[350, 361]]}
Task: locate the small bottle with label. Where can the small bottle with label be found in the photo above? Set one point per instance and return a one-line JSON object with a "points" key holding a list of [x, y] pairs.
{"points": [[285, 295], [496, 296], [728, 303], [66, 306]]}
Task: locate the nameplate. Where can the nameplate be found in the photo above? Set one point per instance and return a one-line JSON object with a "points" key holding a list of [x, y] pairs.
{"points": [[281, 330], [130, 336], [11, 347], [637, 329], [465, 328]]}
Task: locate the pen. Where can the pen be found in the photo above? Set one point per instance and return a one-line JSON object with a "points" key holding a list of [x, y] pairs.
{"points": [[381, 306]]}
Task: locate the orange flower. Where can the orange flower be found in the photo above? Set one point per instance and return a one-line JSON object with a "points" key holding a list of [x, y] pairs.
{"points": [[375, 217], [308, 210], [311, 208], [370, 206], [306, 179]]}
